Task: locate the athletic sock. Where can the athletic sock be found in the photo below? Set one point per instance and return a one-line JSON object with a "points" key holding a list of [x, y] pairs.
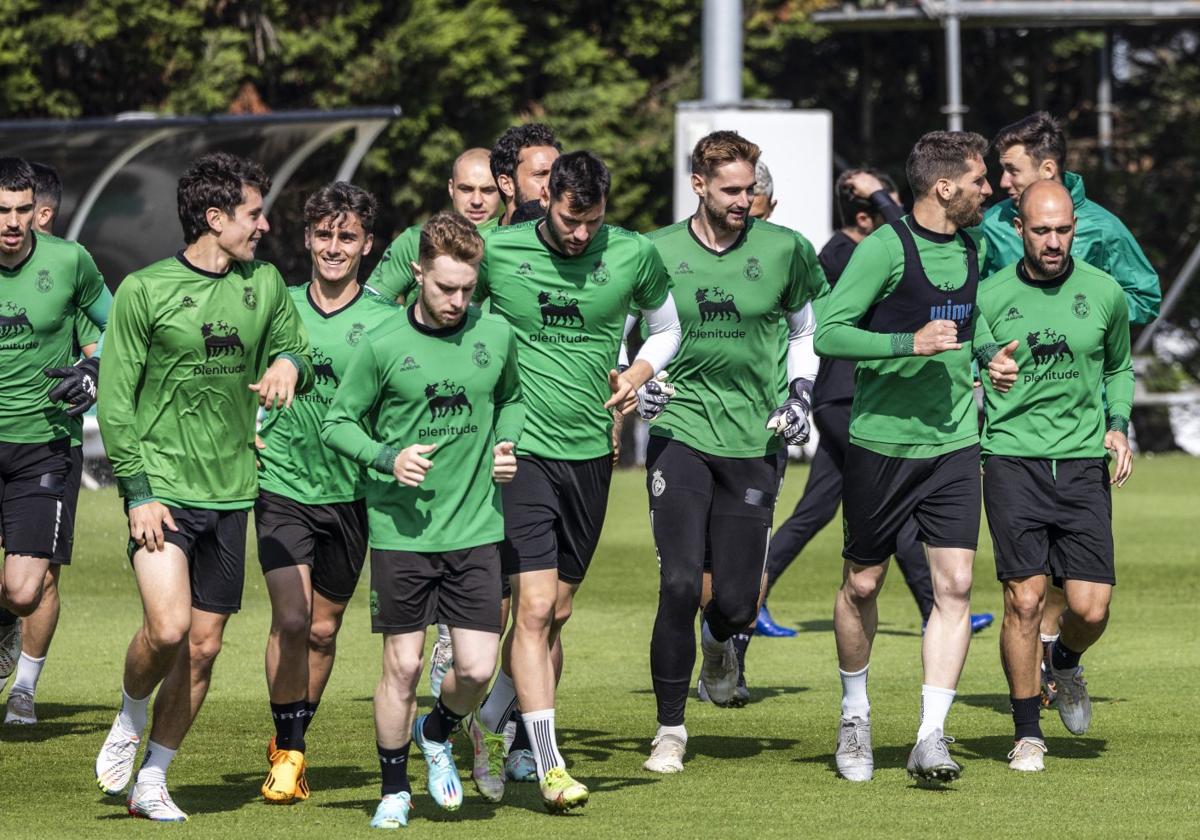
{"points": [[133, 713], [499, 703], [310, 713], [679, 731], [393, 765], [935, 705], [854, 694], [1062, 658], [28, 672], [540, 726], [1047, 644], [440, 723], [521, 738], [1026, 712], [7, 619], [154, 764], [741, 641], [289, 724]]}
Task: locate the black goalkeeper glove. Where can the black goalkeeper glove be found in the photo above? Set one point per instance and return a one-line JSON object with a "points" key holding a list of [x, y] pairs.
{"points": [[790, 420], [653, 396], [77, 385]]}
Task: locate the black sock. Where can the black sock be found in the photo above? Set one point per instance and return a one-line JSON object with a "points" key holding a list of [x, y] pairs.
{"points": [[310, 711], [741, 641], [289, 724], [1063, 658], [521, 742], [1026, 712], [393, 764], [440, 723], [7, 619]]}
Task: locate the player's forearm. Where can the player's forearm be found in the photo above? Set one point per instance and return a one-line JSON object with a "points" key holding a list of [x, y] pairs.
{"points": [[118, 428], [510, 420], [802, 361], [345, 436], [664, 339], [845, 341], [304, 369]]}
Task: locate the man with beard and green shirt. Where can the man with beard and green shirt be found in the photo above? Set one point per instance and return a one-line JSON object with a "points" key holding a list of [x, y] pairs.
{"points": [[712, 462], [310, 517], [431, 406], [905, 310], [196, 343], [1046, 485], [565, 284]]}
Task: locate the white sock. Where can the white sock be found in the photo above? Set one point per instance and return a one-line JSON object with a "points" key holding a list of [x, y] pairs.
{"points": [[154, 765], [498, 705], [854, 693], [1048, 639], [935, 705], [539, 726], [28, 671], [133, 713], [679, 731], [443, 634]]}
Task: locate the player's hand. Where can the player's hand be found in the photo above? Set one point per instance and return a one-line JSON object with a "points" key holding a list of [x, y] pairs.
{"points": [[624, 392], [146, 524], [1116, 443], [865, 184], [936, 337], [504, 462], [277, 388], [77, 385], [790, 421], [653, 397], [411, 465], [618, 426], [1002, 369], [260, 446]]}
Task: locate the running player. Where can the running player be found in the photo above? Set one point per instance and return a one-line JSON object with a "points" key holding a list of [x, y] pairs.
{"points": [[905, 309], [195, 339], [1045, 482], [473, 193], [521, 162], [46, 283], [565, 284], [712, 475], [310, 516], [436, 451], [37, 629]]}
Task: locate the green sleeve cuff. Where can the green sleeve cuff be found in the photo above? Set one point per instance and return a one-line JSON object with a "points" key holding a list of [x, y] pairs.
{"points": [[983, 353], [293, 359], [902, 344], [1118, 423], [135, 489], [385, 461]]}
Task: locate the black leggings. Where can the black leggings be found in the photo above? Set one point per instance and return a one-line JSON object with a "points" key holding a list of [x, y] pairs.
{"points": [[703, 504]]}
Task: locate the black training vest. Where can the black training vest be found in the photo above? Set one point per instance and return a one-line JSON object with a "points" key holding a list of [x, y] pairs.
{"points": [[916, 301]]}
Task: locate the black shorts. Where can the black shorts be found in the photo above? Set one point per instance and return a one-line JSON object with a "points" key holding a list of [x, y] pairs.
{"points": [[553, 514], [215, 544], [330, 539], [412, 589], [1050, 518], [880, 493], [66, 530], [33, 481]]}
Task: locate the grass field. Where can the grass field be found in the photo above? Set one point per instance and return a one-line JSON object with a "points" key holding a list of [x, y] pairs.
{"points": [[765, 770]]}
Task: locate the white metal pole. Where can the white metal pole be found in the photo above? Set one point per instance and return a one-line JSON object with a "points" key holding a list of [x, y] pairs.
{"points": [[722, 58]]}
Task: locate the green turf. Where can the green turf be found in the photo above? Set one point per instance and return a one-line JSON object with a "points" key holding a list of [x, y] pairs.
{"points": [[761, 771]]}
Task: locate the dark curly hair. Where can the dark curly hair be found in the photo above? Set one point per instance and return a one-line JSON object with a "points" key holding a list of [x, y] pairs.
{"points": [[508, 147], [215, 180]]}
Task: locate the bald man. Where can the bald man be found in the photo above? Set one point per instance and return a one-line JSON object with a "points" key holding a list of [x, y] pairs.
{"points": [[473, 193], [1046, 447]]}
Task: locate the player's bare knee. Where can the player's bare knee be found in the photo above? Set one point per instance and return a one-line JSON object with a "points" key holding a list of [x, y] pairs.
{"points": [[473, 673], [166, 632], [862, 586], [1025, 604], [1094, 613], [536, 614], [204, 650], [322, 636], [291, 627]]}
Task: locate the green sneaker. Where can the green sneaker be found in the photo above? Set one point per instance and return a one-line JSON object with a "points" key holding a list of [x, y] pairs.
{"points": [[561, 793]]}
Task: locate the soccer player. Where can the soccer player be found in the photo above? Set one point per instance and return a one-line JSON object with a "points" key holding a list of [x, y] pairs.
{"points": [[905, 309], [565, 284], [432, 407], [198, 341], [1046, 484], [521, 161], [712, 473], [473, 193], [37, 629], [310, 517]]}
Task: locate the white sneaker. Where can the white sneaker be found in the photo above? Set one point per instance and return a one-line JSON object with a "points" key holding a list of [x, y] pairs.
{"points": [[441, 660], [20, 709], [666, 754], [10, 648], [151, 801], [1074, 704], [114, 764], [719, 670], [488, 769], [1026, 755]]}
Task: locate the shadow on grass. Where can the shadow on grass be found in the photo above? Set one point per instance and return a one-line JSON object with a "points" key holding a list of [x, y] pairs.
{"points": [[713, 746], [473, 808], [886, 757], [997, 747], [55, 720], [1000, 703], [757, 692]]}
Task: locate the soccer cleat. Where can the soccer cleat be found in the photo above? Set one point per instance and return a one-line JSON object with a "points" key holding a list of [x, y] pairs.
{"points": [[741, 694], [1074, 704], [114, 764], [930, 760], [854, 758], [20, 709], [1049, 689], [443, 783], [441, 660], [561, 793], [393, 810], [981, 621], [719, 670], [10, 648], [520, 766], [284, 779], [488, 771], [151, 801], [766, 626], [666, 754], [1026, 755]]}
